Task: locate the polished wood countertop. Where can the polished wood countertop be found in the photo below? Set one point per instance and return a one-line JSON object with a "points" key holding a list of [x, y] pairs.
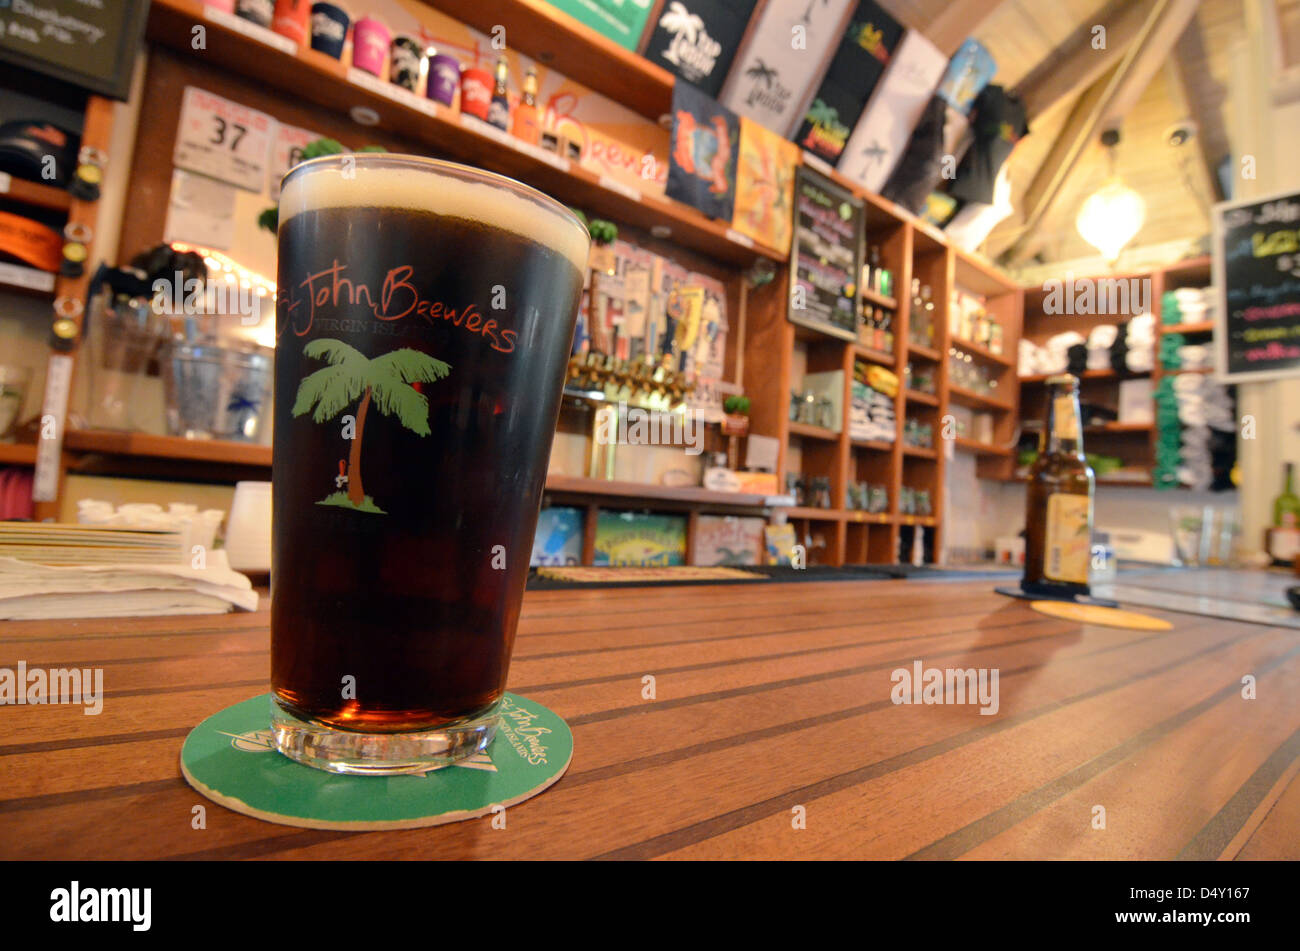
{"points": [[768, 697]]}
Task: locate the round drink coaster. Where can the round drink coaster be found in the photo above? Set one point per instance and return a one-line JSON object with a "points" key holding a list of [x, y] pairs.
{"points": [[230, 758], [1107, 617]]}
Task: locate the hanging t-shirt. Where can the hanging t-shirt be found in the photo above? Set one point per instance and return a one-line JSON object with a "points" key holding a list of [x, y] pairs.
{"points": [[696, 39], [920, 168], [998, 123]]}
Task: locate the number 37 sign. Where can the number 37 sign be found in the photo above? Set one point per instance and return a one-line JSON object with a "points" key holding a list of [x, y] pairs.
{"points": [[223, 139]]}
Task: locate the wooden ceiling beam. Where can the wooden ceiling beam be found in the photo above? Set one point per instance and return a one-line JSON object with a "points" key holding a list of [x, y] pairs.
{"points": [[1076, 64], [1102, 106], [958, 20], [1201, 99], [1156, 48]]}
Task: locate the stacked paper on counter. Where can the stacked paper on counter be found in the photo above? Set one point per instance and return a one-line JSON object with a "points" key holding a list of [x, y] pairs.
{"points": [[31, 591], [50, 543]]}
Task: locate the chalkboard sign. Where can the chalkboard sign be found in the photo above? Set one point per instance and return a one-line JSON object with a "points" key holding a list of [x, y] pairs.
{"points": [[825, 256], [1257, 275], [89, 43]]}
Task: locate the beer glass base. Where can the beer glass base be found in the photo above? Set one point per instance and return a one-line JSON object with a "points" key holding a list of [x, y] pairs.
{"points": [[380, 754]]}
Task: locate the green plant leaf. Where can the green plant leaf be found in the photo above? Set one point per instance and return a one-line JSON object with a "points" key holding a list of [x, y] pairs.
{"points": [[330, 391], [392, 397], [334, 352], [411, 366], [323, 146]]}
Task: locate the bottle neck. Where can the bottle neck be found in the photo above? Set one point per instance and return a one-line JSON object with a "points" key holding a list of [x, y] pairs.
{"points": [[1288, 479], [1062, 429]]}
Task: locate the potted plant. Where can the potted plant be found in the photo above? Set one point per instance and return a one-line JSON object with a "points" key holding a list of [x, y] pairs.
{"points": [[735, 420]]}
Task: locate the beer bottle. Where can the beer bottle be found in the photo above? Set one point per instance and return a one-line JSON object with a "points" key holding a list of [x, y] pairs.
{"points": [[1058, 515], [499, 110], [524, 125]]}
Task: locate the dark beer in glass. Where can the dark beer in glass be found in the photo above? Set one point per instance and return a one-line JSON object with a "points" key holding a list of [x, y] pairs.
{"points": [[424, 317]]}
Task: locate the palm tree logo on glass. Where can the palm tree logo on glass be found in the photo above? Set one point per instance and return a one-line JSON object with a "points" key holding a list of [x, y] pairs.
{"points": [[391, 383]]}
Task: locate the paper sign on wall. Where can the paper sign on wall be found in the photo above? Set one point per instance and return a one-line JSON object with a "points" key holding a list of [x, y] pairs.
{"points": [[200, 211], [224, 140], [286, 152]]}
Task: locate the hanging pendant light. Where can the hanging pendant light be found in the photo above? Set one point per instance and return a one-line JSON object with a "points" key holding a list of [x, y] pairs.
{"points": [[1114, 213]]}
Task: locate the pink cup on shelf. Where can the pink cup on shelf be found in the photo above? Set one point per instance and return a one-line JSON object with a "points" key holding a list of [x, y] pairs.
{"points": [[370, 42]]}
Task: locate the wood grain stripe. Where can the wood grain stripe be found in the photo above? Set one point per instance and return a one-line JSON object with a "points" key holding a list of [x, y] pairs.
{"points": [[735, 819], [970, 836], [83, 796], [111, 739], [1213, 840]]}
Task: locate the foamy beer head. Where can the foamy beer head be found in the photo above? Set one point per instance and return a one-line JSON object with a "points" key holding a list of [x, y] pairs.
{"points": [[417, 185]]}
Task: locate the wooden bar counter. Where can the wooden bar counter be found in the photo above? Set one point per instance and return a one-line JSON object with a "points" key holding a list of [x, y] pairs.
{"points": [[767, 697]]}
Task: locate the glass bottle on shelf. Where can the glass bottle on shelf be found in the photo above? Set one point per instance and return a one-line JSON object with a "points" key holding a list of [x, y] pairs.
{"points": [[499, 109], [928, 304], [1284, 536], [524, 125], [918, 313]]}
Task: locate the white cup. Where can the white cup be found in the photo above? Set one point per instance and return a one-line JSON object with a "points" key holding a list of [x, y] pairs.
{"points": [[248, 532]]}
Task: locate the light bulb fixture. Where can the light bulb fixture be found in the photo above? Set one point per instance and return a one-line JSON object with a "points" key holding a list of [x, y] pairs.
{"points": [[1114, 213]]}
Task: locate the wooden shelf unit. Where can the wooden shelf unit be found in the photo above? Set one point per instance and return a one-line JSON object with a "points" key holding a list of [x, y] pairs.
{"points": [[554, 38], [313, 90], [36, 195], [17, 454], [1135, 443], [323, 81], [775, 349]]}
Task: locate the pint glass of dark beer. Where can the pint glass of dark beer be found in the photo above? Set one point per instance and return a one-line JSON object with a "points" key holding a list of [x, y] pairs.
{"points": [[424, 316]]}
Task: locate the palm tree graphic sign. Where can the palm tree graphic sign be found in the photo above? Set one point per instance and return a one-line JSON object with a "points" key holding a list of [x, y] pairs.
{"points": [[387, 382]]}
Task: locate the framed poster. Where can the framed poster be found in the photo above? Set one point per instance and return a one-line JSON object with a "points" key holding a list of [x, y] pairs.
{"points": [[1256, 272], [825, 256], [88, 44]]}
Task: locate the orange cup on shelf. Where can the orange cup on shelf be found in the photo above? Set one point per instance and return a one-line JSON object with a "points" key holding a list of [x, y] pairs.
{"points": [[292, 19]]}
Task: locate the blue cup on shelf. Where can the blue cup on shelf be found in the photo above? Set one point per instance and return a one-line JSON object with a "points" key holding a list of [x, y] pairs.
{"points": [[329, 28]]}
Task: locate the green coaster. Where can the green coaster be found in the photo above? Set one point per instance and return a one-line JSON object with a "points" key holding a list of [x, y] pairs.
{"points": [[230, 759]]}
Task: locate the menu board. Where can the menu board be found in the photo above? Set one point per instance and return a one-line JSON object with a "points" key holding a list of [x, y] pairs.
{"points": [[825, 256], [1257, 276], [89, 43]]}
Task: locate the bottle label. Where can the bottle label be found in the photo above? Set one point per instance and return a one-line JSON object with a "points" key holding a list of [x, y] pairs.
{"points": [[1284, 543], [1065, 421], [1068, 538]]}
